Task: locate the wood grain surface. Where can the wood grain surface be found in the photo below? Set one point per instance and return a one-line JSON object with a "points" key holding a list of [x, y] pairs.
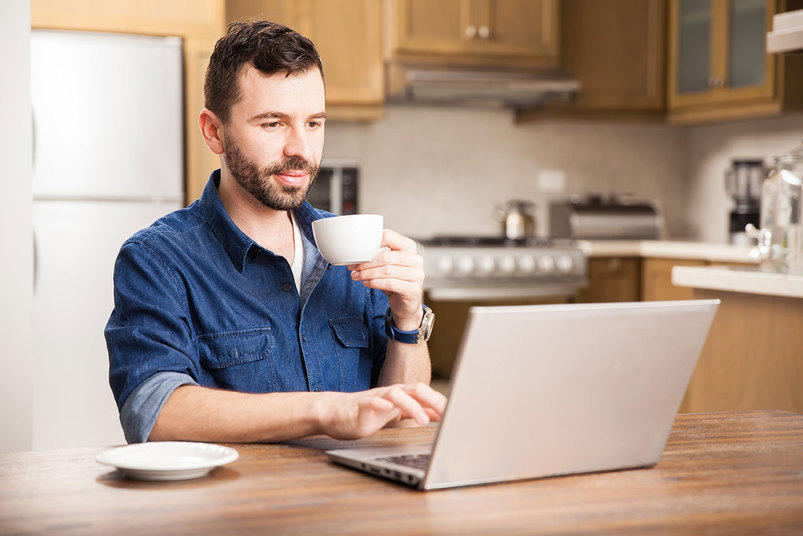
{"points": [[721, 473]]}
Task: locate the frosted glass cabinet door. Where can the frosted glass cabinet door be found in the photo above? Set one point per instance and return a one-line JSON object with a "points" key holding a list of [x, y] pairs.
{"points": [[694, 63], [746, 54]]}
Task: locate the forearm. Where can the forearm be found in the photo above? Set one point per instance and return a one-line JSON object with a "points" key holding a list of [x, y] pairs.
{"points": [[406, 363], [194, 413]]}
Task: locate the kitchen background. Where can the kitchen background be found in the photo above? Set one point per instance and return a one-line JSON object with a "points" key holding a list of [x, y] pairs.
{"points": [[670, 91]]}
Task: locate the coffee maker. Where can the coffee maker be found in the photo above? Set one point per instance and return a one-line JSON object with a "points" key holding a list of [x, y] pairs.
{"points": [[743, 183]]}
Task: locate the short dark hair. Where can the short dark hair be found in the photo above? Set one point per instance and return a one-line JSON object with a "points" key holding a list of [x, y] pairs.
{"points": [[269, 47]]}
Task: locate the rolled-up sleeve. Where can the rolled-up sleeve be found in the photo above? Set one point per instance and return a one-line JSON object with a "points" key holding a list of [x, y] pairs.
{"points": [[147, 334]]}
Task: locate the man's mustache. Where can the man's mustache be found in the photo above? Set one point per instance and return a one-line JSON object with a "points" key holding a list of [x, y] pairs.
{"points": [[294, 163]]}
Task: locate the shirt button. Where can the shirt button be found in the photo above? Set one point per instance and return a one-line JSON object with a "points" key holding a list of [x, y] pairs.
{"points": [[304, 338], [287, 287]]}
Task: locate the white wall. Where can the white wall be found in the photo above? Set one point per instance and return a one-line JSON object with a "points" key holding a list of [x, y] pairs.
{"points": [[16, 290], [709, 150], [441, 170]]}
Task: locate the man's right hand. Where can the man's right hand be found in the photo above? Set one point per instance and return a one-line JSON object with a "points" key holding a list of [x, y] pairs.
{"points": [[360, 414]]}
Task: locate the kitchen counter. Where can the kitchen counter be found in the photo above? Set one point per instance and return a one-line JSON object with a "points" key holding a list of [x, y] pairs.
{"points": [[719, 473], [667, 249], [742, 280]]}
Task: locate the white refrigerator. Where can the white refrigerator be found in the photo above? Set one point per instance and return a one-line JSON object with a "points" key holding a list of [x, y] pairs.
{"points": [[108, 161]]}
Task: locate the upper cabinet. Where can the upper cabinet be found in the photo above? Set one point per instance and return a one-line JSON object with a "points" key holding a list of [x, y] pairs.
{"points": [[347, 35], [508, 32], [718, 67]]}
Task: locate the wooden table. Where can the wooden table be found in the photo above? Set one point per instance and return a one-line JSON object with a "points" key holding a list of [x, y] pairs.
{"points": [[728, 473]]}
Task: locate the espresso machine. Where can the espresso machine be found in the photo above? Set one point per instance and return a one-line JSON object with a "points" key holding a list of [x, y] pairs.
{"points": [[743, 183]]}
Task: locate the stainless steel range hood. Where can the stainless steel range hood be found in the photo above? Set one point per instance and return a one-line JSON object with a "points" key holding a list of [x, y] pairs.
{"points": [[440, 85]]}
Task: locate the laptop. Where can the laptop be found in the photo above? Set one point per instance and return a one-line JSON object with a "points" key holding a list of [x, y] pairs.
{"points": [[547, 390]]}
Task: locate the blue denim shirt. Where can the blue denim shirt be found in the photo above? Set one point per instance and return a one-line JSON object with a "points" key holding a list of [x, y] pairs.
{"points": [[196, 301]]}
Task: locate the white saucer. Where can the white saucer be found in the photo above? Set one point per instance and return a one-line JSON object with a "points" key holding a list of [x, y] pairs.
{"points": [[167, 460]]}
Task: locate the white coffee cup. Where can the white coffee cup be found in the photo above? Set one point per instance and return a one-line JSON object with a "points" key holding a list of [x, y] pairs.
{"points": [[349, 239]]}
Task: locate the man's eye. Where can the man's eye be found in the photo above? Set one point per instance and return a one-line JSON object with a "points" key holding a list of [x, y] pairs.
{"points": [[272, 124], [314, 124]]}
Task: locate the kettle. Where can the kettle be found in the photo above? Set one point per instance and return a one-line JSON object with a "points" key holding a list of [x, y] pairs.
{"points": [[517, 218]]}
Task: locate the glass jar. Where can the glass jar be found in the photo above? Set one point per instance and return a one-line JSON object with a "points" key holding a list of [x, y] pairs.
{"points": [[780, 239]]}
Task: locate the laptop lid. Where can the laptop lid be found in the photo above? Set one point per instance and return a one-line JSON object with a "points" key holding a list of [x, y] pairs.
{"points": [[555, 389]]}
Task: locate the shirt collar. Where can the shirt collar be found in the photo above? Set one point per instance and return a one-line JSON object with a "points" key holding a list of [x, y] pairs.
{"points": [[235, 242]]}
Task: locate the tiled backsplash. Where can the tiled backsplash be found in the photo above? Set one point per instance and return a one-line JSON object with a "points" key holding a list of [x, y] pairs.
{"points": [[441, 170]]}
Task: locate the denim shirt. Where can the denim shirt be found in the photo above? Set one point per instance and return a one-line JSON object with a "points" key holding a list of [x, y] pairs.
{"points": [[196, 301]]}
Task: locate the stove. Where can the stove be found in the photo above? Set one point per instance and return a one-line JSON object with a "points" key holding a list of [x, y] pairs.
{"points": [[492, 267]]}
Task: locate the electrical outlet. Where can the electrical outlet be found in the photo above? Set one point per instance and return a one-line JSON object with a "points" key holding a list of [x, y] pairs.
{"points": [[552, 181]]}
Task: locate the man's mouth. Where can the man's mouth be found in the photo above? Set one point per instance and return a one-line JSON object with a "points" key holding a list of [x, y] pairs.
{"points": [[294, 178]]}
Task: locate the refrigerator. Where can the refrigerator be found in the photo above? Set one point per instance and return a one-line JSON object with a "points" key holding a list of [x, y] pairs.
{"points": [[108, 161]]}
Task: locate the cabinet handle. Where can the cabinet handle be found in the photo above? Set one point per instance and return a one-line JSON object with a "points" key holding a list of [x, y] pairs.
{"points": [[471, 31], [715, 81], [484, 32]]}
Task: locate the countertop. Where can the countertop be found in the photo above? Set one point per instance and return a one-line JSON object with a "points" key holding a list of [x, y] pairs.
{"points": [[745, 280], [669, 249], [723, 473]]}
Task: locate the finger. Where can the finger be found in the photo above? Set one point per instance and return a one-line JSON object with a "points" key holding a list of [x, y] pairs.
{"points": [[434, 416], [426, 396], [410, 408], [396, 286], [402, 258], [398, 242], [376, 413], [405, 273]]}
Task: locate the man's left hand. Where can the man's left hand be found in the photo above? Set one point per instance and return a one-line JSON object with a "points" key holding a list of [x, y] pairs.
{"points": [[399, 273]]}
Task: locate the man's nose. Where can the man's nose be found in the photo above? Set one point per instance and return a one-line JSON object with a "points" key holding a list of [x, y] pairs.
{"points": [[298, 144]]}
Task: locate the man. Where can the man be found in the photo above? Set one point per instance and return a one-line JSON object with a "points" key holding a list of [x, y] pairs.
{"points": [[228, 323]]}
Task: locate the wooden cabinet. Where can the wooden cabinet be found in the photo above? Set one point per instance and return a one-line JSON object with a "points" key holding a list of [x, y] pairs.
{"points": [[514, 32], [198, 22], [347, 35], [656, 279], [718, 68], [617, 51], [612, 279]]}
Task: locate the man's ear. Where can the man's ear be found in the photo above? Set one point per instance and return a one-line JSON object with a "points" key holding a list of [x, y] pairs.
{"points": [[211, 127]]}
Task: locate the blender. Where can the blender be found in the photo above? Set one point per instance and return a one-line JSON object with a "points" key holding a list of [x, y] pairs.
{"points": [[743, 184]]}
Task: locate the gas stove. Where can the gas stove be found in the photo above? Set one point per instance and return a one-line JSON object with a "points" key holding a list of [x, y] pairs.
{"points": [[490, 267]]}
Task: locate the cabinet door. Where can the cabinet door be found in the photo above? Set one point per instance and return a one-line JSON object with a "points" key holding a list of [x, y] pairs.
{"points": [[347, 34], [616, 50], [718, 64], [526, 28], [656, 280], [434, 27], [613, 279]]}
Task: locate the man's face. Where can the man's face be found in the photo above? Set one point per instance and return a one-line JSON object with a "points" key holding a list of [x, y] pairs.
{"points": [[273, 140]]}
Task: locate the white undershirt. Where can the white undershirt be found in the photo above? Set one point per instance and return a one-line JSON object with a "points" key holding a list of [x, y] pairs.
{"points": [[298, 256]]}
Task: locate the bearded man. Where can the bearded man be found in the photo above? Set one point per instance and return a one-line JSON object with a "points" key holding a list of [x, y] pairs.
{"points": [[228, 323]]}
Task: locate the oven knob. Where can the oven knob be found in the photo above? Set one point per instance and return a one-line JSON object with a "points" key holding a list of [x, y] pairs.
{"points": [[507, 264], [546, 264], [526, 264], [465, 265], [486, 265], [445, 265], [565, 264]]}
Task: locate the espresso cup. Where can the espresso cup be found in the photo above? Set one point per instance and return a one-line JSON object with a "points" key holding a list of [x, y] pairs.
{"points": [[349, 239]]}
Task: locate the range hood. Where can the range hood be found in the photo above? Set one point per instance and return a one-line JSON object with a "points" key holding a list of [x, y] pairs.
{"points": [[787, 32], [483, 86]]}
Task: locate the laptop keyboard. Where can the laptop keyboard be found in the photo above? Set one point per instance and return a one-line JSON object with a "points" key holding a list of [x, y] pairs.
{"points": [[417, 461]]}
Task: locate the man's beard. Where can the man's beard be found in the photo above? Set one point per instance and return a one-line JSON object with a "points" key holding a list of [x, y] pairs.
{"points": [[257, 181]]}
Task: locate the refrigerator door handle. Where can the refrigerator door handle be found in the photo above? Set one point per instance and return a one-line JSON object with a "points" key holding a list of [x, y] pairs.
{"points": [[35, 262], [33, 141]]}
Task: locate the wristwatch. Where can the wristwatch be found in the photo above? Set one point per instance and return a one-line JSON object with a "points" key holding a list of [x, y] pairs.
{"points": [[414, 336]]}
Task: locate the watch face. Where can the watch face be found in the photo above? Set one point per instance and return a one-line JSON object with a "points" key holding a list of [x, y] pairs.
{"points": [[426, 324]]}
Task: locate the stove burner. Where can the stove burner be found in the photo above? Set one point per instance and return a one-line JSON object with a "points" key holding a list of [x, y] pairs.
{"points": [[486, 241]]}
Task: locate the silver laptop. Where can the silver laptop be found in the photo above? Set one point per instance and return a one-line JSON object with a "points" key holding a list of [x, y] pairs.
{"points": [[544, 390]]}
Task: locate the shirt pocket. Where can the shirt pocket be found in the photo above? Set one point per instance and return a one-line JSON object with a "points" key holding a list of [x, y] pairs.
{"points": [[352, 350], [240, 360]]}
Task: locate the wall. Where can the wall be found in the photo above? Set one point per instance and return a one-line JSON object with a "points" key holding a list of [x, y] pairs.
{"points": [[708, 151], [16, 289], [441, 170]]}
